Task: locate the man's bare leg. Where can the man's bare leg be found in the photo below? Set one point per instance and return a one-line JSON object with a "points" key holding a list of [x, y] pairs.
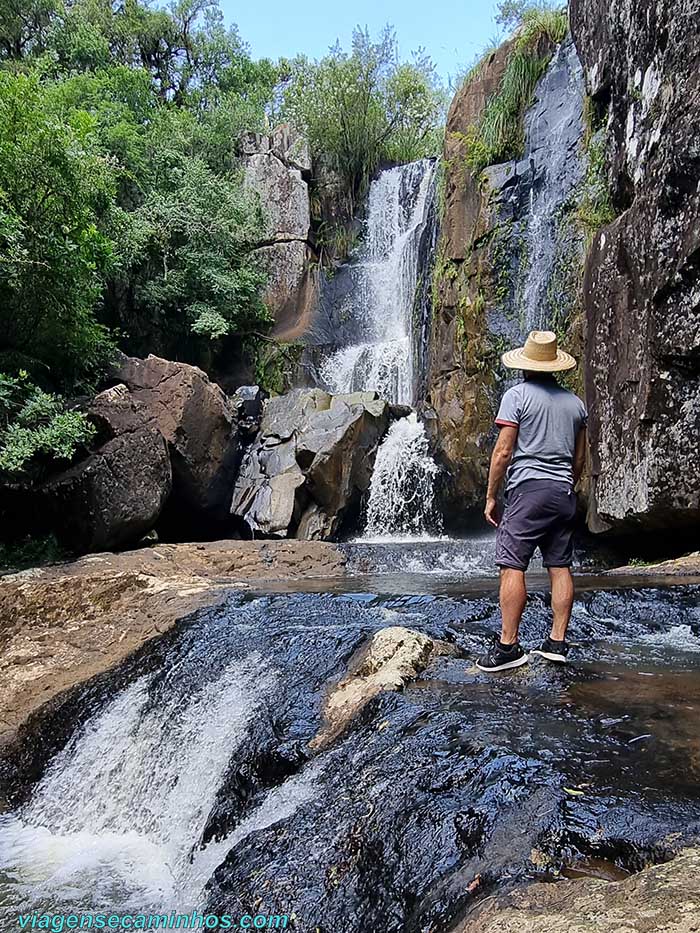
{"points": [[562, 584], [513, 596]]}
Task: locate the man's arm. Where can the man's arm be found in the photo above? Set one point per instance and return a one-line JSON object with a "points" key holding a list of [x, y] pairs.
{"points": [[500, 458], [579, 455]]}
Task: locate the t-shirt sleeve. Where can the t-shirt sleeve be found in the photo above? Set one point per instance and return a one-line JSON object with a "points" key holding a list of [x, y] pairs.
{"points": [[510, 410], [584, 414]]}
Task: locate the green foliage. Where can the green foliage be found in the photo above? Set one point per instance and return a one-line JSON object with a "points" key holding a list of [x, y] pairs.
{"points": [[276, 365], [35, 426], [187, 254], [363, 107], [54, 184], [498, 136], [121, 197], [595, 208], [30, 552]]}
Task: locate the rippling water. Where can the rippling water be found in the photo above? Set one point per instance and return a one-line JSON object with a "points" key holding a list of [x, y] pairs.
{"points": [[184, 778]]}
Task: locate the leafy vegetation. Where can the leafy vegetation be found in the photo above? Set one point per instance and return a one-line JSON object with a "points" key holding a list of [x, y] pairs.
{"points": [[35, 426], [498, 135], [365, 107], [595, 208], [123, 216]]}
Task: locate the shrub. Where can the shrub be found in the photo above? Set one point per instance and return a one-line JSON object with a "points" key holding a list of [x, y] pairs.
{"points": [[498, 136], [36, 428], [364, 107]]}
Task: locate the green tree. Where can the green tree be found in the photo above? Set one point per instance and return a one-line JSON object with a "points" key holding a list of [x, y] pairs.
{"points": [[54, 186], [361, 107]]}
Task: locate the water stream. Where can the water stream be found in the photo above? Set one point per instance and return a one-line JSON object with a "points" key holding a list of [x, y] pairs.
{"points": [[377, 347], [184, 780]]}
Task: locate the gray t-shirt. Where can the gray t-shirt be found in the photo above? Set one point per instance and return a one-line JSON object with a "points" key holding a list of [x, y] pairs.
{"points": [[548, 418]]}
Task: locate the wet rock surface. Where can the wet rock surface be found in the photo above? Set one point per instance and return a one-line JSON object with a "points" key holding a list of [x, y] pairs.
{"points": [[435, 798], [509, 260], [642, 273], [62, 625]]}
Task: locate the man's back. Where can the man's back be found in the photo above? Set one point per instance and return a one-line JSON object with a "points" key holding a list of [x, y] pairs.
{"points": [[548, 418]]}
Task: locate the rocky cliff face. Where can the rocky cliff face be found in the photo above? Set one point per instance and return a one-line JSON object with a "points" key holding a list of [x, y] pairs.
{"points": [[642, 277], [509, 260], [458, 381], [278, 168]]}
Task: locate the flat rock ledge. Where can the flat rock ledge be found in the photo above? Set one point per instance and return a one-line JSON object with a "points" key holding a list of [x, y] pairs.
{"points": [[686, 566], [661, 899], [64, 624]]}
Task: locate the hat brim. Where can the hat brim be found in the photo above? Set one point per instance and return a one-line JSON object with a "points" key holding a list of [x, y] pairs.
{"points": [[516, 359]]}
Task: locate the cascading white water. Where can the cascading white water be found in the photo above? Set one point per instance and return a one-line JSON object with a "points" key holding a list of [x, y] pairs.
{"points": [[381, 350], [401, 490], [118, 818], [381, 355], [553, 129]]}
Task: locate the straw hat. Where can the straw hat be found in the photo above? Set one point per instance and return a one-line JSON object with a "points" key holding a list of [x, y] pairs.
{"points": [[540, 354]]}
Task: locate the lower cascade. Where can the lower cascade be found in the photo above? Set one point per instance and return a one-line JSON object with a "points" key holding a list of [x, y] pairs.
{"points": [[193, 777], [401, 494]]}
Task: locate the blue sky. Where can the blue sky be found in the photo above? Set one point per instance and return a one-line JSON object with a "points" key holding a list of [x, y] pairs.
{"points": [[451, 33]]}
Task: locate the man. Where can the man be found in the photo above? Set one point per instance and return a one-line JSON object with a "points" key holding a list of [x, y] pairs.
{"points": [[541, 444]]}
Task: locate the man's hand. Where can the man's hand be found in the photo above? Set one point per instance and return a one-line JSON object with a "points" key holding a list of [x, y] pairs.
{"points": [[491, 511]]}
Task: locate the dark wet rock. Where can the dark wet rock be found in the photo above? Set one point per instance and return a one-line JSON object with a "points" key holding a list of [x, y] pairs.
{"points": [[113, 497], [434, 797], [199, 423], [641, 290], [249, 402], [310, 463]]}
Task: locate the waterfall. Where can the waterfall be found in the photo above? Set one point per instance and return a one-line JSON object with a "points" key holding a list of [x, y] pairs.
{"points": [[401, 496], [378, 350], [373, 333], [120, 813], [553, 130]]}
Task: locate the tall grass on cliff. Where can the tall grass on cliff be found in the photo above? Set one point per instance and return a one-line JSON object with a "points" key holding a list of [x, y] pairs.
{"points": [[498, 136], [364, 107]]}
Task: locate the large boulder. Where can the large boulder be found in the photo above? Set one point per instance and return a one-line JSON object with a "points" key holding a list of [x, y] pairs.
{"points": [[642, 278], [277, 167], [199, 424], [114, 496], [310, 463]]}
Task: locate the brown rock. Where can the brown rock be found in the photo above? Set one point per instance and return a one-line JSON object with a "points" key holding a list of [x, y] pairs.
{"points": [[388, 661], [198, 421], [660, 899]]}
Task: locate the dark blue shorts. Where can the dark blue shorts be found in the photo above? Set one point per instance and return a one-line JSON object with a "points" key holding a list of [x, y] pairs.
{"points": [[538, 513]]}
